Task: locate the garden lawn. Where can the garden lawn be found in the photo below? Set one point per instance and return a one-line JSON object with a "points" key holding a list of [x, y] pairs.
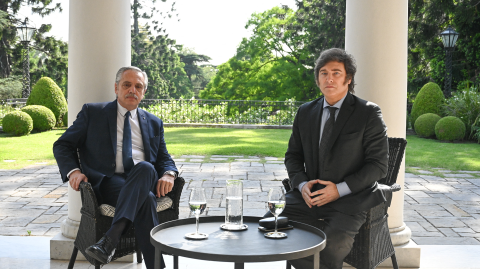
{"points": [[219, 141], [18, 152], [430, 153], [36, 148]]}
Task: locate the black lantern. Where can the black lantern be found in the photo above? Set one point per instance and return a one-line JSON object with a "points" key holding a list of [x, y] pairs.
{"points": [[449, 38], [25, 33]]}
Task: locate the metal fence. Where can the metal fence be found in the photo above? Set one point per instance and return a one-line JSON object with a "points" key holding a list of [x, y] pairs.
{"points": [[222, 111]]}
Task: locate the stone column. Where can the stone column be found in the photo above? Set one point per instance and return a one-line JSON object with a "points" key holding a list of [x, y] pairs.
{"points": [[377, 36], [98, 45]]}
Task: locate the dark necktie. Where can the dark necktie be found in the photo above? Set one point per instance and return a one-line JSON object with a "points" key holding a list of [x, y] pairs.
{"points": [[327, 133], [127, 144]]}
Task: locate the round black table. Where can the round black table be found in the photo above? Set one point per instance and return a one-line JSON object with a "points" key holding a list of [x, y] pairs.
{"points": [[235, 246]]}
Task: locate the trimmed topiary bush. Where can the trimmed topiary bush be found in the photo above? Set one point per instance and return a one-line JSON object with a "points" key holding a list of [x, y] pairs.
{"points": [[17, 123], [425, 124], [450, 128], [65, 119], [429, 100], [43, 118], [47, 93]]}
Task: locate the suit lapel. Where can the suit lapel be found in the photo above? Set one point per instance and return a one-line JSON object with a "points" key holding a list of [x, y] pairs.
{"points": [[345, 112], [111, 110], [144, 127], [315, 131]]}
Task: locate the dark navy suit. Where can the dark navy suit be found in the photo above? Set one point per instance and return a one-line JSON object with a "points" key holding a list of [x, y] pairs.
{"points": [[94, 134]]}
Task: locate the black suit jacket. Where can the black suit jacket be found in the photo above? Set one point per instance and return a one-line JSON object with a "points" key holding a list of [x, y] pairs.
{"points": [[94, 134], [357, 152]]}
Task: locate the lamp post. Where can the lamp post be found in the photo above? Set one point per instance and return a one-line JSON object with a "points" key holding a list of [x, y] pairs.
{"points": [[25, 33], [449, 38]]}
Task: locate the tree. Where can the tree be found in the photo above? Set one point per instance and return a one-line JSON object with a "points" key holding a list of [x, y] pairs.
{"points": [[267, 65], [426, 55], [8, 11], [199, 76], [156, 54]]}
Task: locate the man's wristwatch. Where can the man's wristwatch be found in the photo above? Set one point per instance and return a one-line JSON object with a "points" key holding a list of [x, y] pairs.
{"points": [[171, 173]]}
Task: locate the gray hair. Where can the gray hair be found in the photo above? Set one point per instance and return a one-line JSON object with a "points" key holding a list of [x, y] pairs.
{"points": [[122, 70]]}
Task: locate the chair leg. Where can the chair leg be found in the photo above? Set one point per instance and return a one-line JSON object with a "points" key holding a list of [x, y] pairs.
{"points": [[139, 256], [394, 261], [73, 258], [289, 266]]}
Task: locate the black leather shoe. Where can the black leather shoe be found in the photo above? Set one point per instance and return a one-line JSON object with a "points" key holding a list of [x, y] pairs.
{"points": [[102, 251]]}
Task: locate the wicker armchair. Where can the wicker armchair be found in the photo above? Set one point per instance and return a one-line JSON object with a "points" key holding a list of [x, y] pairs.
{"points": [[93, 225], [373, 244]]}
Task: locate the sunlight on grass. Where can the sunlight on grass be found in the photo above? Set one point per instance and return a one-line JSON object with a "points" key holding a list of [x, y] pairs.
{"points": [[430, 153], [209, 141], [22, 151], [36, 149]]}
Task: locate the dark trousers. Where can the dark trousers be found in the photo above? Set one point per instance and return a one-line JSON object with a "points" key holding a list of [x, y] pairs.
{"points": [[134, 199], [340, 229]]}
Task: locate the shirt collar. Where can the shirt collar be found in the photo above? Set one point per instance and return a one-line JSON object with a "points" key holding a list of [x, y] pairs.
{"points": [[122, 111], [337, 105]]}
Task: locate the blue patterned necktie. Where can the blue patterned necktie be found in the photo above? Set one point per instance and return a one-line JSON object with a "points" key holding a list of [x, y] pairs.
{"points": [[127, 145]]}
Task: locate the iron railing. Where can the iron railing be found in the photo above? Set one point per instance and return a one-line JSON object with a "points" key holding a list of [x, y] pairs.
{"points": [[222, 111]]}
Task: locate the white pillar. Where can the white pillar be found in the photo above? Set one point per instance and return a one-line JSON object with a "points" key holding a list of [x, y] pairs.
{"points": [[98, 45], [377, 36]]}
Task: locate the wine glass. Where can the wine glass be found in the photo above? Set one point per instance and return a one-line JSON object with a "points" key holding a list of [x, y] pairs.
{"points": [[197, 204], [276, 204]]}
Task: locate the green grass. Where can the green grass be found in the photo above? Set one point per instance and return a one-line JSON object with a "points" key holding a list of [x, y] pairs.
{"points": [[36, 148], [32, 149], [209, 141], [430, 153]]}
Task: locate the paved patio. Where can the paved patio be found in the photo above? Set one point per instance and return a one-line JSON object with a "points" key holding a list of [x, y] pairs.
{"points": [[441, 207]]}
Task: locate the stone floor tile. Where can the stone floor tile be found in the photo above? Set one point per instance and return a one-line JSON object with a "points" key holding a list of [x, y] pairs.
{"points": [[257, 164], [463, 230], [446, 222], [415, 179], [433, 178], [43, 219], [459, 175], [455, 210], [228, 156], [439, 187], [14, 221], [415, 226], [261, 176], [424, 172], [218, 159], [271, 158], [463, 197], [435, 214], [475, 181], [427, 234], [470, 208], [434, 201], [445, 241], [416, 194], [192, 156], [448, 232], [52, 232]]}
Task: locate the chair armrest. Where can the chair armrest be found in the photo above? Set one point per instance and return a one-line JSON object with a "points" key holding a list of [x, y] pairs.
{"points": [[176, 192], [89, 200]]}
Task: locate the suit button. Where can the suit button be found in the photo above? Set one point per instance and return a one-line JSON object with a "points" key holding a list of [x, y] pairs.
{"points": [[113, 165]]}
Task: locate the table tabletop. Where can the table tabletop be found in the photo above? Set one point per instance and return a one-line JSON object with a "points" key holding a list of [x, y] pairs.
{"points": [[236, 246]]}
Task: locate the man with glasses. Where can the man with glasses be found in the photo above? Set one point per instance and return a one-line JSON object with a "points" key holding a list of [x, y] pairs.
{"points": [[123, 155]]}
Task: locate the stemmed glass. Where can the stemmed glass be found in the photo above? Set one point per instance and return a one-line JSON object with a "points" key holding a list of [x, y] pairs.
{"points": [[276, 204], [197, 204]]}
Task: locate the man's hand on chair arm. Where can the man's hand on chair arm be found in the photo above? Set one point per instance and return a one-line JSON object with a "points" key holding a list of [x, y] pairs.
{"points": [[165, 185], [75, 178]]}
